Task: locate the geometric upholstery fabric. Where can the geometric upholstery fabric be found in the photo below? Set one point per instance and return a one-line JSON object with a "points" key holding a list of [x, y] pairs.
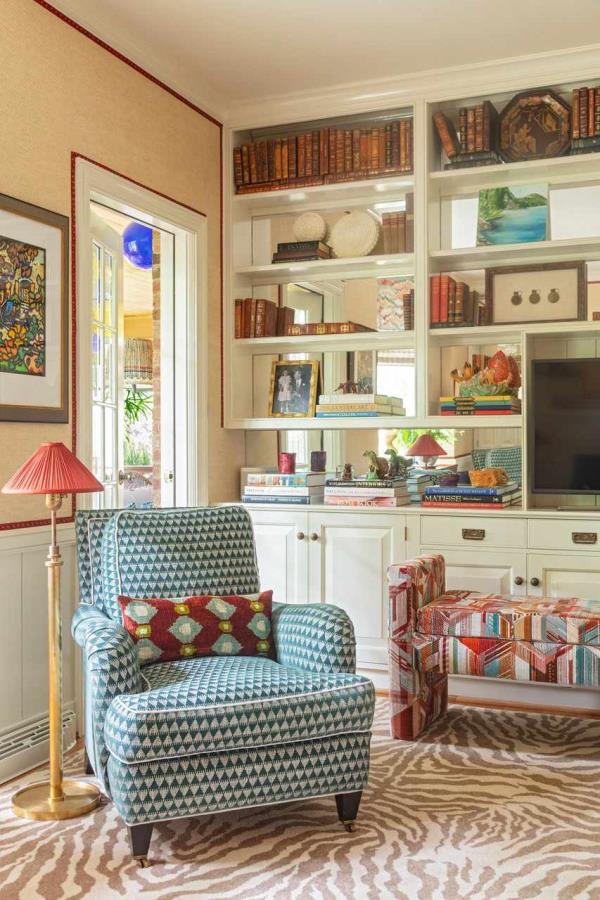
{"points": [[538, 661], [208, 704], [314, 636], [177, 553], [551, 619], [560, 620], [210, 782]]}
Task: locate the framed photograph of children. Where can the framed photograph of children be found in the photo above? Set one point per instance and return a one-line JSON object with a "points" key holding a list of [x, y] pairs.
{"points": [[34, 314], [294, 388]]}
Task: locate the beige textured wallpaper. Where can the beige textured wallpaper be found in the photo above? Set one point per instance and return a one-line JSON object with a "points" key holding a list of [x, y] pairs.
{"points": [[63, 93]]}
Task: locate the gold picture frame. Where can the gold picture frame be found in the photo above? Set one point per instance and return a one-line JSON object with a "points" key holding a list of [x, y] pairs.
{"points": [[294, 388]]}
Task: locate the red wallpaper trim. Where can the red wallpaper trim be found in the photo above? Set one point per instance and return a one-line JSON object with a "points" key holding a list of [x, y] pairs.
{"points": [[124, 59]]}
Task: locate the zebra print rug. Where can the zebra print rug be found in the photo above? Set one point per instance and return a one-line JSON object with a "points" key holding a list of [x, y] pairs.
{"points": [[488, 804]]}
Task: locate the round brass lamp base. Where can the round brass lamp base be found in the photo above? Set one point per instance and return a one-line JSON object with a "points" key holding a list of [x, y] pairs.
{"points": [[34, 802]]}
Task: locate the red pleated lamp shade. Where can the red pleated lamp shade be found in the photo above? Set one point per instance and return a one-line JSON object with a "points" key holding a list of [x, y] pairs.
{"points": [[52, 469], [425, 445]]}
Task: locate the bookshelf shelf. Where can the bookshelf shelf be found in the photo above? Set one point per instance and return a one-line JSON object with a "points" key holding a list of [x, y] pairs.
{"points": [[379, 422], [353, 267], [561, 169], [382, 340], [366, 192], [506, 333], [461, 259]]}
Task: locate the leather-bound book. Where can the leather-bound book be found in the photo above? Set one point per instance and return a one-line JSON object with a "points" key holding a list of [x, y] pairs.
{"points": [[292, 171], [401, 242], [308, 154], [575, 114], [245, 164], [324, 151], [315, 153], [409, 239], [237, 167], [446, 133], [348, 166], [301, 164], [253, 164], [239, 308], [277, 161]]}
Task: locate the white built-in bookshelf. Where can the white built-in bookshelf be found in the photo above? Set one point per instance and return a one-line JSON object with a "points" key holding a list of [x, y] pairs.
{"points": [[255, 222]]}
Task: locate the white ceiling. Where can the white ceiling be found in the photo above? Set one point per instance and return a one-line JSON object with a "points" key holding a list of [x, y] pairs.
{"points": [[223, 52]]}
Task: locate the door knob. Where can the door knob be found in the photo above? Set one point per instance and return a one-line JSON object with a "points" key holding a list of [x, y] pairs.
{"points": [[300, 536], [519, 580], [314, 536], [534, 582]]}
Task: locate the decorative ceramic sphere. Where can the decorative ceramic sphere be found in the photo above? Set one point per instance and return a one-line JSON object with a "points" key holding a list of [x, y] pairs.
{"points": [[310, 226], [355, 234], [137, 245]]}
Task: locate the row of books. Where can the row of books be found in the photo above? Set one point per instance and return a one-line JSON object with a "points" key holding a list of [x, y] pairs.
{"points": [[398, 229], [475, 143], [408, 310], [301, 488], [302, 251], [469, 497], [332, 406], [585, 116], [361, 492], [324, 156], [454, 303], [493, 405], [261, 318]]}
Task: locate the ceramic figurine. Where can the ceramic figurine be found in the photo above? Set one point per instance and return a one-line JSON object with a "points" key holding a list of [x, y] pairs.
{"points": [[398, 465], [347, 473], [378, 466]]}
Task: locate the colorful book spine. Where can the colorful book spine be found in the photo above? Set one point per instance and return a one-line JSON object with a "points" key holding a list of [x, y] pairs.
{"points": [[386, 502], [365, 492], [263, 490], [278, 479], [299, 501]]}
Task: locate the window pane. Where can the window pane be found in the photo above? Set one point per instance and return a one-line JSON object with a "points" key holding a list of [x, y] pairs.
{"points": [[98, 442], [96, 281], [97, 363], [109, 289], [109, 444], [109, 367]]}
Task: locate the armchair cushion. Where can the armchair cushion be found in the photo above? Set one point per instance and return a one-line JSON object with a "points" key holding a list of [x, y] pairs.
{"points": [[177, 553], [225, 703], [314, 636], [232, 625]]}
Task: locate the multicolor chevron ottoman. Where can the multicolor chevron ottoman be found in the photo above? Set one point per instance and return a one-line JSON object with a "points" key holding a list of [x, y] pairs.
{"points": [[435, 633]]}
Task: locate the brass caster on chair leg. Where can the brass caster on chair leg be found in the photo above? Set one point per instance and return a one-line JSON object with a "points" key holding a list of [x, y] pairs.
{"points": [[349, 826], [142, 861]]}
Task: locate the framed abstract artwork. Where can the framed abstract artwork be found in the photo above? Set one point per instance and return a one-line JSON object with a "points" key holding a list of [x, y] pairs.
{"points": [[34, 314]]}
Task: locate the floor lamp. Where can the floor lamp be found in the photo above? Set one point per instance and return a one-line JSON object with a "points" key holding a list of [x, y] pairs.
{"points": [[54, 471]]}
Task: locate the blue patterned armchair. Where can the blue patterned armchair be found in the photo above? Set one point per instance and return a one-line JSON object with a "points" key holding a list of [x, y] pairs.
{"points": [[175, 739]]}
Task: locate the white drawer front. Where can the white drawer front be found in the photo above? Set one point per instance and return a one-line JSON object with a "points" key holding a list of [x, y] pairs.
{"points": [[566, 534], [474, 531]]}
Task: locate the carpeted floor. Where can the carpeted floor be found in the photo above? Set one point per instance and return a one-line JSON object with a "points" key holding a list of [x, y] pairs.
{"points": [[487, 805]]}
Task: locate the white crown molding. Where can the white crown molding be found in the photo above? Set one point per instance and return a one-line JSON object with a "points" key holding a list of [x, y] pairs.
{"points": [[202, 96], [516, 73]]}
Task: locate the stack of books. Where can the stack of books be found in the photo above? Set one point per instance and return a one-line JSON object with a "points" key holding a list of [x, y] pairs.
{"points": [[453, 303], [360, 492], [418, 480], [302, 251], [492, 405], [398, 229], [324, 156], [302, 488], [332, 406], [585, 119], [261, 318], [465, 496], [476, 141]]}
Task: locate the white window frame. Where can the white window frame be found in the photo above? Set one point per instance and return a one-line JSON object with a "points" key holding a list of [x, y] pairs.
{"points": [[95, 184]]}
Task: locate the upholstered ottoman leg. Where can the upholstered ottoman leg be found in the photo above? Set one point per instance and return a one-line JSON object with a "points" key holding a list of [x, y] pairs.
{"points": [[416, 702], [139, 838], [347, 807]]}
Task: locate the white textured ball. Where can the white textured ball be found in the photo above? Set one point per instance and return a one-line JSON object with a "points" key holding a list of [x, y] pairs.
{"points": [[310, 226], [355, 234]]}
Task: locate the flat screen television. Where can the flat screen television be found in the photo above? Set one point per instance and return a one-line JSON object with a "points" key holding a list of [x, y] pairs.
{"points": [[564, 435]]}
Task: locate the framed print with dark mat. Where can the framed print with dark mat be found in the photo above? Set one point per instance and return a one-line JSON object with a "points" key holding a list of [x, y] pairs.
{"points": [[34, 314], [547, 292]]}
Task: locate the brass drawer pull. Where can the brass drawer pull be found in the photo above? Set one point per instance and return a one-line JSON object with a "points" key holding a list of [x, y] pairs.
{"points": [[473, 534], [584, 537]]}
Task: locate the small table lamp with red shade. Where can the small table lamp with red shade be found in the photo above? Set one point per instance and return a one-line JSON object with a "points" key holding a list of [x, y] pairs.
{"points": [[54, 471]]}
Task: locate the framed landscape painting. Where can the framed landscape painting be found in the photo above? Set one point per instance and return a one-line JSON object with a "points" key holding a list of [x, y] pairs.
{"points": [[34, 254]]}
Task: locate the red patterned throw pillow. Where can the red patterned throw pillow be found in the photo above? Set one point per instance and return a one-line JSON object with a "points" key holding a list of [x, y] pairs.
{"points": [[233, 625]]}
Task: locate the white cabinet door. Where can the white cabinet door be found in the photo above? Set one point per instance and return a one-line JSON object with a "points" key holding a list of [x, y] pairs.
{"points": [[348, 559], [564, 575], [488, 571], [282, 553]]}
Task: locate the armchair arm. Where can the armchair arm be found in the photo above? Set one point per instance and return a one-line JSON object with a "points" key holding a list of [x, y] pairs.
{"points": [[110, 667], [316, 636], [412, 585]]}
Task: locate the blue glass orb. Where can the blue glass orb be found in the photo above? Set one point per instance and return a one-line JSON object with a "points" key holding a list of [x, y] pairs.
{"points": [[137, 245]]}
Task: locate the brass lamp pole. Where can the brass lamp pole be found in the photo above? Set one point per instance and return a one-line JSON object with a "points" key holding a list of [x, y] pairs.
{"points": [[54, 471]]}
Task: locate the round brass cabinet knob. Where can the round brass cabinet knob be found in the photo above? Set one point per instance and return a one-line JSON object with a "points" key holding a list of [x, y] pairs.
{"points": [[519, 580], [314, 536], [300, 535], [535, 582]]}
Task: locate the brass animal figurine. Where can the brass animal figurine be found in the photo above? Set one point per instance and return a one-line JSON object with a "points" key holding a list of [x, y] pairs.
{"points": [[398, 465], [468, 370], [378, 466], [348, 387]]}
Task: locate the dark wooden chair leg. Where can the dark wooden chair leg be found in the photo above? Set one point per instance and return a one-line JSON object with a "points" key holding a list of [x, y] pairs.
{"points": [[347, 807], [89, 769], [139, 838]]}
